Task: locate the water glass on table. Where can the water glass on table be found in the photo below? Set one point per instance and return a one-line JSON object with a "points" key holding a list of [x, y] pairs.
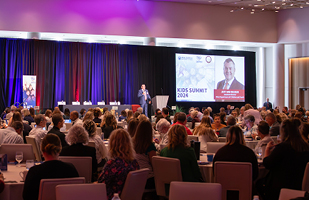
{"points": [[259, 152], [19, 156]]}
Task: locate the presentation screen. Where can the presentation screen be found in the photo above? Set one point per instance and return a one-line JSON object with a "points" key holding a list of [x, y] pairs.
{"points": [[210, 78]]}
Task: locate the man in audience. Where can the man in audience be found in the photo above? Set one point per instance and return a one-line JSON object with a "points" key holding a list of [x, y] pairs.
{"points": [[285, 110], [228, 110], [13, 135], [250, 111], [158, 111], [58, 122], [39, 131], [273, 124], [140, 110], [74, 118], [231, 121], [182, 120], [263, 133], [268, 105], [13, 109], [5, 112], [165, 114], [144, 98], [57, 108]]}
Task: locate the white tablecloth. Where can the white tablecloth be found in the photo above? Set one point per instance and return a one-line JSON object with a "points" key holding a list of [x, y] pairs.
{"points": [[13, 191]]}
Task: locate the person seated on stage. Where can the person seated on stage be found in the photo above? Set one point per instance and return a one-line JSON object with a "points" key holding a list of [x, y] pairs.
{"points": [[97, 114], [77, 138], [74, 118], [285, 161], [273, 124], [205, 133], [27, 117], [194, 118], [58, 123], [251, 127], [66, 113], [39, 131], [101, 150], [182, 120], [145, 150], [108, 125], [51, 168], [217, 124], [121, 162], [231, 121], [178, 147], [123, 116], [223, 118], [235, 150], [207, 114], [14, 135]]}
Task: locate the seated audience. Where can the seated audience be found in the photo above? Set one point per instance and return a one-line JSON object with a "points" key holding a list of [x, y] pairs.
{"points": [[13, 135], [273, 124], [205, 133], [178, 147], [286, 162], [39, 131], [129, 116], [123, 116], [32, 112], [122, 161], [165, 113], [132, 127], [263, 133], [66, 113], [236, 150], [145, 150], [97, 114], [101, 150], [74, 118], [77, 138], [27, 128], [217, 124], [136, 114], [251, 127], [89, 115], [140, 110], [175, 117], [231, 121], [58, 123], [142, 117], [108, 125], [207, 114], [250, 111], [48, 115], [5, 112], [241, 115], [162, 127], [304, 131], [51, 168], [228, 110], [223, 118], [194, 118], [27, 116], [182, 120], [82, 113]]}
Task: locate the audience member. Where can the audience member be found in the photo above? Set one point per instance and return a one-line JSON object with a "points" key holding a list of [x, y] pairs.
{"points": [[97, 114], [132, 127], [77, 138], [162, 127], [223, 118], [228, 110], [181, 120], [129, 116], [121, 162], [51, 168], [263, 133], [32, 112], [89, 115], [250, 111], [273, 124], [304, 131], [217, 124], [268, 105], [199, 114], [286, 162], [58, 123], [123, 116], [39, 131], [205, 133], [241, 115], [109, 125], [231, 121], [66, 113], [251, 127], [13, 136], [177, 147], [165, 113], [74, 118], [27, 116], [82, 113], [207, 114]]}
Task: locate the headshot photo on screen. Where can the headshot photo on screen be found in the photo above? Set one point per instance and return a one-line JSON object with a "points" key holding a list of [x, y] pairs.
{"points": [[230, 72]]}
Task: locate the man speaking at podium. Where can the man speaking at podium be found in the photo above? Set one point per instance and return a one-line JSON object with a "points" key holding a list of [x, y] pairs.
{"points": [[144, 99]]}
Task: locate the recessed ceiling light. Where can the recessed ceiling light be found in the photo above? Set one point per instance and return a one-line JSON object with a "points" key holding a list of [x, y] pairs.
{"points": [[274, 2]]}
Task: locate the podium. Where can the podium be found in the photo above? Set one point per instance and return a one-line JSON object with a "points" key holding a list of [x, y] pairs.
{"points": [[159, 101]]}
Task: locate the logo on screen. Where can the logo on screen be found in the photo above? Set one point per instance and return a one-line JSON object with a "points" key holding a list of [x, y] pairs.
{"points": [[208, 59], [184, 58], [199, 57]]}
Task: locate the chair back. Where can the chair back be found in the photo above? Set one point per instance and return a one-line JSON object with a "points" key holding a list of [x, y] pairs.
{"points": [[36, 149], [192, 137], [47, 189], [222, 139], [10, 150], [135, 184], [287, 194], [305, 185], [68, 125], [191, 190], [83, 165], [81, 191], [213, 147], [228, 173], [91, 144], [165, 171]]}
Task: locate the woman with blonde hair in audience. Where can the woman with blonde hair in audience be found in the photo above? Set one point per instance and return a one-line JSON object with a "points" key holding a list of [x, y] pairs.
{"points": [[48, 115], [162, 127], [50, 169], [205, 134], [142, 117], [88, 116], [129, 116], [145, 149], [206, 121], [122, 161], [178, 147], [109, 125], [101, 150], [27, 117]]}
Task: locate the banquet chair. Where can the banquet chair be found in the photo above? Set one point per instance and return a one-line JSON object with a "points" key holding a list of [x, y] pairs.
{"points": [[165, 171], [134, 186], [91, 144], [81, 192], [192, 190], [192, 137], [10, 150], [82, 164], [234, 176], [47, 189], [213, 147], [36, 149], [305, 185], [222, 139], [287, 194]]}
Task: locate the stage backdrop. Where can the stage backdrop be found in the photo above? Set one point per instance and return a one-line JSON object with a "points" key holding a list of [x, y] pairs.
{"points": [[73, 71]]}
